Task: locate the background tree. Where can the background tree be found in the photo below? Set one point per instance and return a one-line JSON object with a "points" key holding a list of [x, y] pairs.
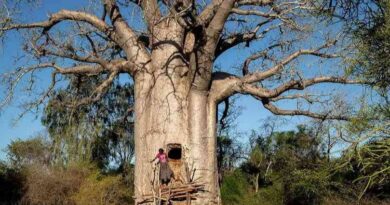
{"points": [[28, 152], [171, 61], [101, 132], [229, 149]]}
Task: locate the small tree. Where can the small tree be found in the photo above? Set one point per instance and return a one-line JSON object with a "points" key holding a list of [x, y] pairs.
{"points": [[28, 152], [255, 166]]}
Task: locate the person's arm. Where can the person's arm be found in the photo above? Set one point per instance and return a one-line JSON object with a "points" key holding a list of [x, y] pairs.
{"points": [[153, 159]]}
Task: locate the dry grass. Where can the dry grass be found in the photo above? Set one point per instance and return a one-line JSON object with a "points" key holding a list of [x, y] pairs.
{"points": [[52, 186]]}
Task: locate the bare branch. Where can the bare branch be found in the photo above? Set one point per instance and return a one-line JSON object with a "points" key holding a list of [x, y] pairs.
{"points": [[261, 54], [81, 69], [259, 76], [310, 98], [277, 111], [13, 79], [30, 106], [302, 84], [95, 96], [99, 91], [291, 85], [254, 2], [230, 41], [62, 16], [225, 85], [211, 9]]}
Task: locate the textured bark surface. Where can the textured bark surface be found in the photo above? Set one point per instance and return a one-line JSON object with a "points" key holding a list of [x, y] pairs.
{"points": [[166, 120], [169, 110]]}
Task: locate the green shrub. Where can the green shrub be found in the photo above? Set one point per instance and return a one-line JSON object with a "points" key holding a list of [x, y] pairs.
{"points": [[234, 188], [104, 190], [306, 187]]}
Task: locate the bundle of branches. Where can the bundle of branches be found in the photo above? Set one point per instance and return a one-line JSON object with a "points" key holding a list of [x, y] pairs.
{"points": [[182, 192]]}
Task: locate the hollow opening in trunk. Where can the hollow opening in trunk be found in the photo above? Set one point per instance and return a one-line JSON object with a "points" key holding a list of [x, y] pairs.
{"points": [[174, 151]]}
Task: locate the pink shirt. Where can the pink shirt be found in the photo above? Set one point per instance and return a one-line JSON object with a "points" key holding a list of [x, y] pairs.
{"points": [[162, 157]]}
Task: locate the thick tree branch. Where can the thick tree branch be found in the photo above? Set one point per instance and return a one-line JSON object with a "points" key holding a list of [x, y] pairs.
{"points": [[151, 12], [62, 16], [277, 111], [127, 38], [225, 85], [255, 2], [211, 9], [121, 34], [81, 69], [255, 13], [261, 92], [208, 12], [308, 97], [216, 25], [225, 112]]}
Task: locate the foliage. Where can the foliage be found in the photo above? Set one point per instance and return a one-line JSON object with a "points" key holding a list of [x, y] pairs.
{"points": [[52, 185], [254, 166], [367, 167], [372, 39], [28, 152], [76, 184], [234, 188], [305, 187], [103, 190], [101, 132], [229, 152], [290, 166]]}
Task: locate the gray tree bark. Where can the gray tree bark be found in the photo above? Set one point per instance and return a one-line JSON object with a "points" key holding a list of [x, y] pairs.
{"points": [[170, 110]]}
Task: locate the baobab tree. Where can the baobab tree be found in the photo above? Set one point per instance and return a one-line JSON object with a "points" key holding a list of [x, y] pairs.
{"points": [[170, 56]]}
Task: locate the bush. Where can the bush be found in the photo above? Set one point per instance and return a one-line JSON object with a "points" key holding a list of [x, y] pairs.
{"points": [[78, 184], [11, 185], [306, 187], [233, 188], [236, 190], [104, 190], [52, 185]]}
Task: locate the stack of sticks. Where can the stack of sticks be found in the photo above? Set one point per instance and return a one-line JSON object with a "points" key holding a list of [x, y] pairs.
{"points": [[182, 192]]}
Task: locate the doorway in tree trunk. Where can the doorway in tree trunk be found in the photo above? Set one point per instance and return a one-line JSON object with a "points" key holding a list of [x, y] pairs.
{"points": [[175, 161], [181, 189]]}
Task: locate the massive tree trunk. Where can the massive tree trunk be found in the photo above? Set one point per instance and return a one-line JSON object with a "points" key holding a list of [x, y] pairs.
{"points": [[169, 110]]}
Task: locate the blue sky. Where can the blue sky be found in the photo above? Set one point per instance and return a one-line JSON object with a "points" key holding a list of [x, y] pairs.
{"points": [[251, 118]]}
